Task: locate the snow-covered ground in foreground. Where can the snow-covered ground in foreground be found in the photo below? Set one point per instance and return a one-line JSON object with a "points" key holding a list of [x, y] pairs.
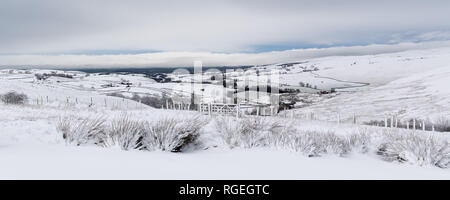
{"points": [[68, 162], [32, 148]]}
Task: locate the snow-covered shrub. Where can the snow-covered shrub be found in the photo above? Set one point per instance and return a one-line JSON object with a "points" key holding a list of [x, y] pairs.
{"points": [[334, 144], [303, 143], [261, 131], [415, 148], [246, 132], [126, 133], [360, 140], [83, 131], [172, 134], [316, 143], [228, 130], [442, 124], [13, 97]]}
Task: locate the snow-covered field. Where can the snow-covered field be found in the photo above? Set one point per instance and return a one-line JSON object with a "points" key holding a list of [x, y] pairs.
{"points": [[68, 162], [32, 148], [412, 84], [407, 84]]}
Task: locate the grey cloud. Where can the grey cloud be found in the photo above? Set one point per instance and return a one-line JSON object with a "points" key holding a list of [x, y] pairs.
{"points": [[53, 26], [179, 59]]}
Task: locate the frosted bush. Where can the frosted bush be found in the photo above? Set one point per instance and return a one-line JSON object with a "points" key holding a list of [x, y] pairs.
{"points": [[172, 134], [126, 133], [303, 143], [414, 148], [227, 129], [360, 140], [246, 132], [442, 124], [83, 131], [334, 144], [261, 131], [316, 143]]}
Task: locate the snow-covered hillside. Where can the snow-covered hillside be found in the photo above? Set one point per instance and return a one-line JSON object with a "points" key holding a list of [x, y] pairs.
{"points": [[409, 85], [374, 69]]}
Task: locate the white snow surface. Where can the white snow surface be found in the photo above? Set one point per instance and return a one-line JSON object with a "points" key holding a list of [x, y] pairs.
{"points": [[67, 162], [31, 148]]}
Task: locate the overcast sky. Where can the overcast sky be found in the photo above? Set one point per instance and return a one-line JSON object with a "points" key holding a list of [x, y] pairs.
{"points": [[97, 27]]}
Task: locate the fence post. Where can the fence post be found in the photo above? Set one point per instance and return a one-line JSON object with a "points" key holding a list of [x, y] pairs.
{"points": [[407, 125], [414, 123], [338, 118], [392, 121], [385, 122], [432, 127], [423, 125], [209, 108]]}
